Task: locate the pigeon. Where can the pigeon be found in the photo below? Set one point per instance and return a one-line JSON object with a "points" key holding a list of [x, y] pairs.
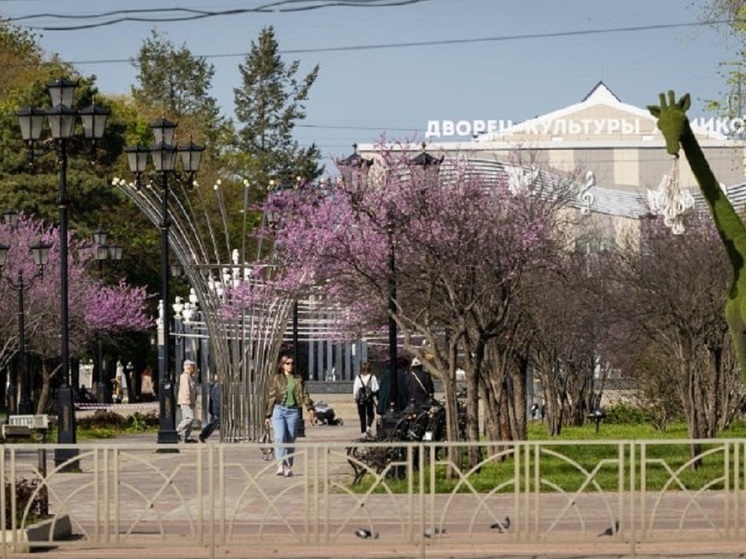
{"points": [[501, 526], [611, 530], [366, 534], [430, 532]]}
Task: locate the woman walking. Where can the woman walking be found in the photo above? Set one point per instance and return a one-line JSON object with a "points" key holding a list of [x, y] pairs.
{"points": [[365, 390], [287, 393]]}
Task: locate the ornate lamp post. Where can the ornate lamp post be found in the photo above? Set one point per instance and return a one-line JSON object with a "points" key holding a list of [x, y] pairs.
{"points": [[62, 118], [40, 253], [104, 253], [163, 153], [393, 358], [10, 217], [352, 166], [273, 221], [425, 161]]}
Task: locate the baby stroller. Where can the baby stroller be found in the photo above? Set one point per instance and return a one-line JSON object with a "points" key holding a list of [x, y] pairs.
{"points": [[324, 414]]}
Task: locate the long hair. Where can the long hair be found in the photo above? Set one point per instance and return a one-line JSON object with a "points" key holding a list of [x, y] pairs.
{"points": [[284, 358]]}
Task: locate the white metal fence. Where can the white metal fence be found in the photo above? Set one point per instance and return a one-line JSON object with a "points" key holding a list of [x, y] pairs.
{"points": [[221, 498]]}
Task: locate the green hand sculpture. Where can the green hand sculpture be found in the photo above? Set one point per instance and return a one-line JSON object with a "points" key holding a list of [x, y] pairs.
{"points": [[674, 125]]}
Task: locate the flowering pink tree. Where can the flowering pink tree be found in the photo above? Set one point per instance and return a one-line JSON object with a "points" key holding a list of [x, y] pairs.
{"points": [[461, 241], [94, 308]]}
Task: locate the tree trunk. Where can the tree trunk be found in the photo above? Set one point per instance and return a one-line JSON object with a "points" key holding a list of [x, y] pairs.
{"points": [[518, 407], [473, 374]]}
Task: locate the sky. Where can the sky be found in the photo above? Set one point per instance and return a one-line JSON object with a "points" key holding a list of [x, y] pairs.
{"points": [[389, 69]]}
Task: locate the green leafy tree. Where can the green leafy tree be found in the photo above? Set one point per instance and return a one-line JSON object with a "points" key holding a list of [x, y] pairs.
{"points": [[21, 58], [27, 70], [733, 12], [34, 189], [269, 103], [174, 82]]}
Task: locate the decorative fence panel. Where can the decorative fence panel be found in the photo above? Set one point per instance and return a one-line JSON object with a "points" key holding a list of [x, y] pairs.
{"points": [[613, 497]]}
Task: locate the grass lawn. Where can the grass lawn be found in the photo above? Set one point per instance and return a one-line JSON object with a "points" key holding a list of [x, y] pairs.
{"points": [[582, 459]]}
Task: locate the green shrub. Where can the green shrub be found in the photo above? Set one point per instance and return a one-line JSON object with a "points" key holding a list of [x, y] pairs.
{"points": [[142, 422], [103, 419], [626, 414], [108, 424]]}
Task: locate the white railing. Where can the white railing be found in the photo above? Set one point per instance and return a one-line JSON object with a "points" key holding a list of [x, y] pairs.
{"points": [[214, 497]]}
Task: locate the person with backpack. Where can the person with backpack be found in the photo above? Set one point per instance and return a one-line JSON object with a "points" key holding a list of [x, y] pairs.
{"points": [[365, 389]]}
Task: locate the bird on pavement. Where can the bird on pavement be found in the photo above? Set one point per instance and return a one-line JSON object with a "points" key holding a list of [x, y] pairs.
{"points": [[501, 526], [430, 532], [366, 534], [611, 530]]}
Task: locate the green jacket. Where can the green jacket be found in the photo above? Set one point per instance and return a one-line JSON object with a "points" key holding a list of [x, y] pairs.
{"points": [[278, 388]]}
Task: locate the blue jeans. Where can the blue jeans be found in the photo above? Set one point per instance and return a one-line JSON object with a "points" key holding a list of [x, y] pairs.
{"points": [[285, 428], [213, 424]]}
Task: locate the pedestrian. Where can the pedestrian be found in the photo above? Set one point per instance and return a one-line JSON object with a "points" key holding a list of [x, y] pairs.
{"points": [[214, 411], [365, 390], [287, 393], [117, 390], [419, 384], [186, 401]]}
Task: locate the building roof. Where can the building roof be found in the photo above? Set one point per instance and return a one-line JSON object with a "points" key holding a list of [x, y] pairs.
{"points": [[585, 115], [616, 141]]}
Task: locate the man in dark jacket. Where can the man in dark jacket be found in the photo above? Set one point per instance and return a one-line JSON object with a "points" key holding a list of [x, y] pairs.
{"points": [[214, 411], [419, 384]]}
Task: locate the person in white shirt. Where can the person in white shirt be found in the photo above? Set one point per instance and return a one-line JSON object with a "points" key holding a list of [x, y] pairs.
{"points": [[365, 390]]}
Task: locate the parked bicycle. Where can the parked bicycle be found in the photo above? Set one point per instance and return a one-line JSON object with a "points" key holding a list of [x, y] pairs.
{"points": [[413, 424]]}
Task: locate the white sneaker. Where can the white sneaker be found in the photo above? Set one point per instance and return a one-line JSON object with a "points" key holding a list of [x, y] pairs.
{"points": [[288, 472], [280, 470]]}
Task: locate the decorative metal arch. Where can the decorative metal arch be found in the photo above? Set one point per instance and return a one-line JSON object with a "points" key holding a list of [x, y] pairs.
{"points": [[244, 347]]}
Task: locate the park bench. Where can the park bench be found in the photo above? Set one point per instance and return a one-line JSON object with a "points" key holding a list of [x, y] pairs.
{"points": [[424, 423], [27, 426]]}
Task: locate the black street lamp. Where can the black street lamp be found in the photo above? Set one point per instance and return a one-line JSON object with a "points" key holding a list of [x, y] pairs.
{"points": [[104, 252], [354, 166], [62, 118], [301, 429], [393, 358], [40, 253], [425, 161], [163, 153], [10, 217], [354, 162], [273, 221]]}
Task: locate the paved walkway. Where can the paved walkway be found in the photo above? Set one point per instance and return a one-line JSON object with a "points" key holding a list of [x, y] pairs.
{"points": [[348, 545]]}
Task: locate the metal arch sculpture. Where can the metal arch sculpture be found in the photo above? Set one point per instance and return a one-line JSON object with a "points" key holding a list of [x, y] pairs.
{"points": [[244, 346]]}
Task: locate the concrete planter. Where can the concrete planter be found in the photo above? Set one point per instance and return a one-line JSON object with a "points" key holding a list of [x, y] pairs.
{"points": [[49, 530]]}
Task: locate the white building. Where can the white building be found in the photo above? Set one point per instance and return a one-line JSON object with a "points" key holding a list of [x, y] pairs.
{"points": [[614, 146]]}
